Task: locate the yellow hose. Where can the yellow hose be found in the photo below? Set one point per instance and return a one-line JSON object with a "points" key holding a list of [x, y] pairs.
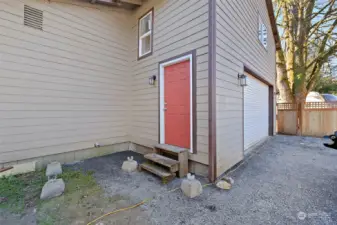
{"points": [[119, 210], [132, 207]]}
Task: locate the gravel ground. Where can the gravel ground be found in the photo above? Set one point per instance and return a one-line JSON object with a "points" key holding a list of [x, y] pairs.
{"points": [[288, 180]]}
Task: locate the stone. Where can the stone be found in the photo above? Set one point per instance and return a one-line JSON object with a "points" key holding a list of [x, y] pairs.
{"points": [[53, 169], [130, 165], [191, 187], [225, 183], [52, 189]]}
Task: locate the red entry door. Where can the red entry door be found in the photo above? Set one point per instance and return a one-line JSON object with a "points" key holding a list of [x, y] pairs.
{"points": [[177, 104]]}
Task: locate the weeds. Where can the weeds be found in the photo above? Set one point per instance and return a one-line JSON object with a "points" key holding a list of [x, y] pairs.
{"points": [[82, 201], [21, 191]]}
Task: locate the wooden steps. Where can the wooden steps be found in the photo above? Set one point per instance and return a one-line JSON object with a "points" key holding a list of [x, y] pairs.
{"points": [[171, 164], [166, 161], [171, 148], [157, 170]]}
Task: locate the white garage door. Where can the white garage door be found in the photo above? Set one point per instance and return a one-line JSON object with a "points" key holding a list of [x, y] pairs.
{"points": [[256, 112]]}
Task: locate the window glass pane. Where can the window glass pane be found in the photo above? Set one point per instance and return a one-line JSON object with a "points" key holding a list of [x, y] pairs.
{"points": [[146, 44], [145, 24], [263, 33], [264, 36]]}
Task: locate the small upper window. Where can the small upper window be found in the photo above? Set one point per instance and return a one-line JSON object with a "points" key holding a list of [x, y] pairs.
{"points": [[145, 34], [263, 34]]}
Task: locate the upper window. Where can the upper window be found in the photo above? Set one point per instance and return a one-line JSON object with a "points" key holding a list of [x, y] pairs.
{"points": [[263, 34], [145, 35]]}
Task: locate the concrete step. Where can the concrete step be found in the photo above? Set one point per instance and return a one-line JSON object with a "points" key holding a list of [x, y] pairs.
{"points": [[172, 164], [171, 148], [157, 170]]}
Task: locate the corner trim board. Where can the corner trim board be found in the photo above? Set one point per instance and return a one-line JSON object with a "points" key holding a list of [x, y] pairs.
{"points": [[212, 167]]}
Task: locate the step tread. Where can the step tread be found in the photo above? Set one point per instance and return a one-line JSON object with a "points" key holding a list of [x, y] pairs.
{"points": [[160, 159], [155, 169], [171, 148]]}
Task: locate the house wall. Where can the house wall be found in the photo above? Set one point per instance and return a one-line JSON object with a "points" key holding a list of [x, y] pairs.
{"points": [[66, 87], [237, 44], [179, 27]]}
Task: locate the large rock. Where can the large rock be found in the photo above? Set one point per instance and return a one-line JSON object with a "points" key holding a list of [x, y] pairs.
{"points": [[129, 165], [191, 187], [53, 169], [52, 189]]}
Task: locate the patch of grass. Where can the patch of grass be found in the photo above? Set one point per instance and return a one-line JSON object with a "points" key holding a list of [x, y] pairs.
{"points": [[21, 191], [78, 181], [82, 201], [81, 192]]}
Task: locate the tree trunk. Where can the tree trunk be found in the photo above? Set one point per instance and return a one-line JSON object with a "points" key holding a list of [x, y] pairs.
{"points": [[285, 94]]}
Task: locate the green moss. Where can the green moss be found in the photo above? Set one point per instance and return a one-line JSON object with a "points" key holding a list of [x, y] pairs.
{"points": [[76, 180]]}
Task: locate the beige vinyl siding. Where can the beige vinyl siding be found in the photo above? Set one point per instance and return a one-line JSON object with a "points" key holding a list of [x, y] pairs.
{"points": [[237, 44], [66, 87], [179, 27]]}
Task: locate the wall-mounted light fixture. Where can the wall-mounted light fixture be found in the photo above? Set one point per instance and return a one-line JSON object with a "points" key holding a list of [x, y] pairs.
{"points": [[152, 80], [242, 80]]}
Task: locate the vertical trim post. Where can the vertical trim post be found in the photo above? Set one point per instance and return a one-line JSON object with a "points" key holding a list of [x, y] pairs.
{"points": [[212, 164]]}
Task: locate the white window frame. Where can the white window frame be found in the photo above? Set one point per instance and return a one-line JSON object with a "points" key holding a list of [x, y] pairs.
{"points": [[263, 33], [149, 33]]}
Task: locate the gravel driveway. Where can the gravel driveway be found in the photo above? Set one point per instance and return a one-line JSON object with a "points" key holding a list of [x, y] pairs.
{"points": [[288, 180]]}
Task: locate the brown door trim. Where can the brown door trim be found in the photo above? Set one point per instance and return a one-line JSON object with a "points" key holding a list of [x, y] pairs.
{"points": [[271, 111], [256, 75]]}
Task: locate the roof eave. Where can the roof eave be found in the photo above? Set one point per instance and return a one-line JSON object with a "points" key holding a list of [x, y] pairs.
{"points": [[273, 24]]}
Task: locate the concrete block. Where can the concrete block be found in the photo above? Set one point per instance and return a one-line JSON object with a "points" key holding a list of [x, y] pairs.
{"points": [[129, 165], [191, 187], [197, 168], [20, 169], [84, 154], [53, 169], [52, 189]]}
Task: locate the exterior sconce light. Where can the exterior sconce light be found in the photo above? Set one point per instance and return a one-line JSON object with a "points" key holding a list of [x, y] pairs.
{"points": [[242, 80], [152, 80]]}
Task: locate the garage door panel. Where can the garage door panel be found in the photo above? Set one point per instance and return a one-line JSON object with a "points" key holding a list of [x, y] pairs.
{"points": [[256, 112]]}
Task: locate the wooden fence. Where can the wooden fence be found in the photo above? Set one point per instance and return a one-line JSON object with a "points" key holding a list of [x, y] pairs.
{"points": [[315, 119]]}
